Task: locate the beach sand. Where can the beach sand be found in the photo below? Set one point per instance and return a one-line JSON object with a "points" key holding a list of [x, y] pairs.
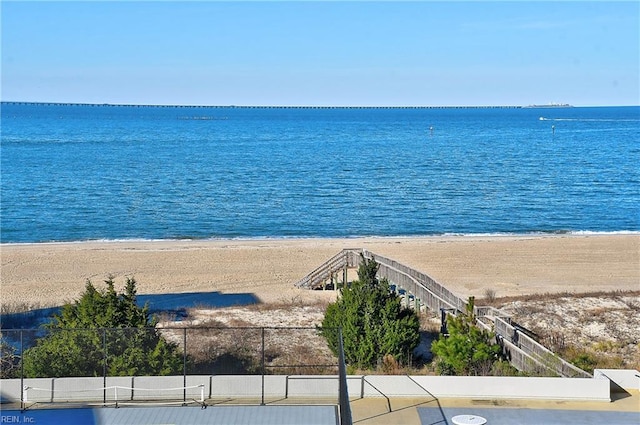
{"points": [[53, 273]]}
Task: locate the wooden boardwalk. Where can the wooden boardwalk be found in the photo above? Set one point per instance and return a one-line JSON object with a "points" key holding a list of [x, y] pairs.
{"points": [[420, 291]]}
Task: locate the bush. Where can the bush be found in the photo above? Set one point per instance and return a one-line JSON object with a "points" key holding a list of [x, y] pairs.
{"points": [[467, 350], [373, 321], [102, 324]]}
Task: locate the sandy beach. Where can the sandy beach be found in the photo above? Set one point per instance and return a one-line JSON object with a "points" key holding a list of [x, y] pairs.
{"points": [[53, 273]]}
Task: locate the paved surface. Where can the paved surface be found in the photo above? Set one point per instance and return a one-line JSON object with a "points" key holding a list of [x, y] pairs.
{"points": [[623, 410], [526, 416], [228, 415]]}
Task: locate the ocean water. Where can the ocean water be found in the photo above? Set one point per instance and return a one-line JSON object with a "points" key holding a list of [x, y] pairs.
{"points": [[82, 172]]}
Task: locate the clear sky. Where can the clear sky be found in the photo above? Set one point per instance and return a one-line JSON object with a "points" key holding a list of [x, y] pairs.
{"points": [[322, 53]]}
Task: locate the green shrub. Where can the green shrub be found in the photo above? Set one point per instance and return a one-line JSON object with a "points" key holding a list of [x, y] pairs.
{"points": [[373, 321], [102, 324], [467, 349]]}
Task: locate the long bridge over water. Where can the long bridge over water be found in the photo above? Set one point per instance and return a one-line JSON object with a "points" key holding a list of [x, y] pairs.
{"points": [[420, 291], [131, 105]]}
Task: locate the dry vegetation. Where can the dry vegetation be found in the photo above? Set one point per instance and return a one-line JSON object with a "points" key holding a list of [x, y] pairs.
{"points": [[292, 343], [593, 330], [220, 336], [229, 340], [20, 307]]}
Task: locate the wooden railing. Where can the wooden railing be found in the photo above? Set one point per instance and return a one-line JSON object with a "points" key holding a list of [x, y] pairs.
{"points": [[535, 351], [317, 279], [427, 290], [525, 353]]}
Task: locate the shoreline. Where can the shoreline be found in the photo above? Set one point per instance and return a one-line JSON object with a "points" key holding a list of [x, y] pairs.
{"points": [[325, 238], [52, 273]]}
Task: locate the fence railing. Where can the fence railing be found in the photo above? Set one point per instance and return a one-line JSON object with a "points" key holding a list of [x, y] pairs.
{"points": [[115, 395], [530, 356], [434, 295], [420, 285], [198, 350], [537, 356], [347, 258], [43, 357]]}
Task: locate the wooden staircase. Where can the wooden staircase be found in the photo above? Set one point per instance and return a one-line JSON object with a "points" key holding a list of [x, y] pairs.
{"points": [[318, 278]]}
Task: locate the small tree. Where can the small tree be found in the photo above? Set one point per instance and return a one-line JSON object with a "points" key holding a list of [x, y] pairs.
{"points": [[99, 324], [467, 350], [373, 321]]}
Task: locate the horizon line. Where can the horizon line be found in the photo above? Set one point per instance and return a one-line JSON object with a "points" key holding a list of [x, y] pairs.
{"points": [[258, 106]]}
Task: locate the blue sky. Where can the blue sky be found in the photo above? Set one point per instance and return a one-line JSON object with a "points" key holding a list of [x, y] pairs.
{"points": [[322, 53]]}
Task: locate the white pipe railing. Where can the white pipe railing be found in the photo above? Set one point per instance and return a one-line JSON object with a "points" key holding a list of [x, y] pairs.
{"points": [[26, 388]]}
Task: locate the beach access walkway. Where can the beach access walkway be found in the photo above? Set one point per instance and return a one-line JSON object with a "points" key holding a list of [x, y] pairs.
{"points": [[420, 291]]}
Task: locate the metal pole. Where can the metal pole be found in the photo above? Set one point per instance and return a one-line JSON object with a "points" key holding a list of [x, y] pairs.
{"points": [[262, 403], [22, 400], [184, 366], [104, 367], [343, 391]]}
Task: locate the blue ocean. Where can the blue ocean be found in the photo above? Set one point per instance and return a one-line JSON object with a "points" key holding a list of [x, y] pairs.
{"points": [[109, 172]]}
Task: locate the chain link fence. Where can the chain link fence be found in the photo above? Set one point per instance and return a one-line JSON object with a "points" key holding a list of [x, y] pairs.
{"points": [[200, 350]]}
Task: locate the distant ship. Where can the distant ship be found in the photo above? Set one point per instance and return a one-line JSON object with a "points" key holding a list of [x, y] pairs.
{"points": [[551, 105]]}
